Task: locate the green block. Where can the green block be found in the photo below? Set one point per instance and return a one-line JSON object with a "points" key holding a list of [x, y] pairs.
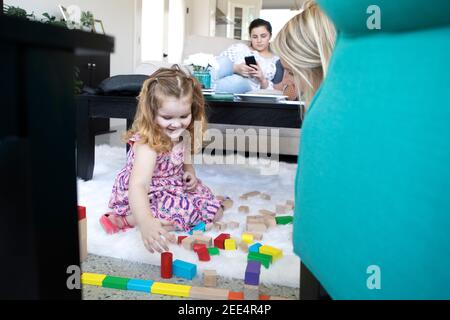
{"points": [[284, 219], [213, 251], [265, 259], [115, 283]]}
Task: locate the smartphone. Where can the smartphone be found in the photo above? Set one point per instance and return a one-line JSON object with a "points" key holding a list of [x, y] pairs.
{"points": [[250, 60]]}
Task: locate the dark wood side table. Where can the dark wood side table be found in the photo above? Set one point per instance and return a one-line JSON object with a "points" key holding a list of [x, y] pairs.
{"points": [[39, 227]]}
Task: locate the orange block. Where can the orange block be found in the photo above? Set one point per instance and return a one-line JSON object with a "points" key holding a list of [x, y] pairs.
{"points": [[264, 297], [235, 295]]}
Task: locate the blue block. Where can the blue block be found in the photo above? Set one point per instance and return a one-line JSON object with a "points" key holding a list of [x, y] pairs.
{"points": [[200, 226], [254, 247], [140, 285], [184, 269]]}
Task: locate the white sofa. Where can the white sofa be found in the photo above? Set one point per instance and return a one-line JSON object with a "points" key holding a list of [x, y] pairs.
{"points": [[288, 138]]}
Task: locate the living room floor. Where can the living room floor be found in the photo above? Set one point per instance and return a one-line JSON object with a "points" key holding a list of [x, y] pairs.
{"points": [[128, 269]]}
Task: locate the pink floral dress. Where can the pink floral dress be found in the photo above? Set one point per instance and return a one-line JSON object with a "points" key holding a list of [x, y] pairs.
{"points": [[168, 196]]}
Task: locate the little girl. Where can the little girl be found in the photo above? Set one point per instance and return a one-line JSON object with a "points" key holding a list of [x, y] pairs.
{"points": [[157, 190]]}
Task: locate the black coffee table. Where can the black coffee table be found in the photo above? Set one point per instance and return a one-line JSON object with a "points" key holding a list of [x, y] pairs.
{"points": [[88, 107]]}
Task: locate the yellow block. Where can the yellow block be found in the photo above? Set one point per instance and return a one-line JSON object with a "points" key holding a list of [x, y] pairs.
{"points": [[247, 237], [94, 279], [272, 251], [230, 244], [171, 289]]}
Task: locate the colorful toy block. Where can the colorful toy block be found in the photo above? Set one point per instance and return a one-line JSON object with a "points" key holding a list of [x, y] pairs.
{"points": [[230, 244], [254, 247], [284, 219], [183, 269], [210, 278], [170, 289], [267, 212], [213, 251], [265, 259], [219, 241], [203, 254], [180, 238], [82, 232], [251, 292], [252, 272], [256, 235], [209, 293], [199, 226], [197, 246], [93, 279], [140, 285], [264, 297], [166, 265], [244, 209], [247, 237], [235, 295], [81, 212], [115, 282], [271, 251]]}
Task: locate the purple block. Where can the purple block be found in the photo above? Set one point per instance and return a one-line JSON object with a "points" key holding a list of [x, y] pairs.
{"points": [[252, 273]]}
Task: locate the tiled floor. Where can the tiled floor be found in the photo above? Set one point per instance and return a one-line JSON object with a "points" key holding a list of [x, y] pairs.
{"points": [[127, 269]]}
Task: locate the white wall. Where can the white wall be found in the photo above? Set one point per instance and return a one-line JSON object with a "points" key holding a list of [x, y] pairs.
{"points": [[118, 17]]}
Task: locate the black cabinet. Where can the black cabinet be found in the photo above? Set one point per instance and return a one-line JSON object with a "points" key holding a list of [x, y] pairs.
{"points": [[93, 69]]}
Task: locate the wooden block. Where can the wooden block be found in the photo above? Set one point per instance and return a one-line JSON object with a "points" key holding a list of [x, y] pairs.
{"points": [[257, 227], [251, 194], [267, 212], [210, 278], [247, 237], [270, 221], [221, 198], [264, 196], [244, 246], [264, 297], [278, 298], [219, 241], [93, 279], [188, 243], [243, 198], [220, 226], [230, 244], [251, 292], [208, 293], [256, 235], [271, 251], [255, 219], [281, 209], [171, 289], [235, 295], [244, 209], [227, 204], [233, 225], [197, 233], [184, 269], [213, 251], [206, 240], [180, 238], [82, 234], [115, 283]]}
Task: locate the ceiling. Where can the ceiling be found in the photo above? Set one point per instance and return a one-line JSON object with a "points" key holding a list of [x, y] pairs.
{"points": [[281, 4]]}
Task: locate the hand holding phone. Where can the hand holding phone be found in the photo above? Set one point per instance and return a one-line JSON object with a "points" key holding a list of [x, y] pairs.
{"points": [[250, 60]]}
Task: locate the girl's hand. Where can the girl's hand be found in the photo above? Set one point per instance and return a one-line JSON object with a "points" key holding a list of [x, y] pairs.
{"points": [[242, 69], [190, 180], [155, 236], [257, 73]]}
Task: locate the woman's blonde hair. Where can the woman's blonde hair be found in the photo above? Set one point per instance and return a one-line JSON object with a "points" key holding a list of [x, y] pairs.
{"points": [[305, 44], [167, 82]]}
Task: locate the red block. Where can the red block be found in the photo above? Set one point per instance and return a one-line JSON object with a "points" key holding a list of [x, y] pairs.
{"points": [[197, 246], [219, 241], [166, 265], [81, 213], [236, 295], [264, 297], [180, 238], [203, 254]]}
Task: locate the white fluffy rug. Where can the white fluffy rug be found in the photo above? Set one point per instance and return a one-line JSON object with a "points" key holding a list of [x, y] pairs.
{"points": [[228, 180]]}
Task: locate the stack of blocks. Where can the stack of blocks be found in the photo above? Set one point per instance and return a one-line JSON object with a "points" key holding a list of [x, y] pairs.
{"points": [[219, 241], [82, 232]]}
